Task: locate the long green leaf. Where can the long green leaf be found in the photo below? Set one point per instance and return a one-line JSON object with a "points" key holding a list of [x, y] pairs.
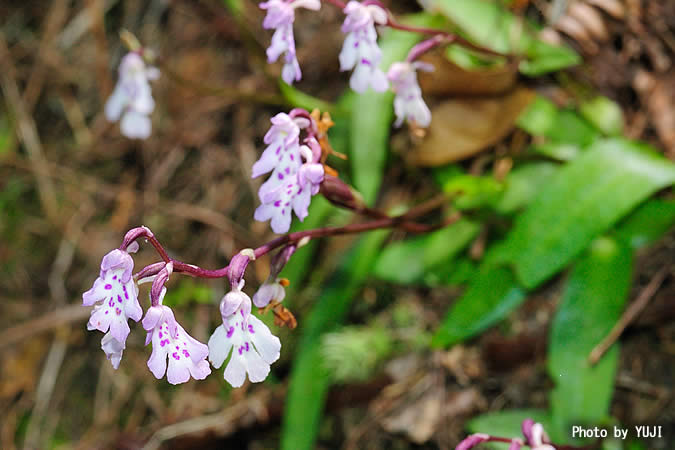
{"points": [[408, 261], [506, 424], [309, 381], [647, 223], [592, 303], [299, 99], [298, 265], [373, 112], [522, 185], [492, 294], [583, 200]]}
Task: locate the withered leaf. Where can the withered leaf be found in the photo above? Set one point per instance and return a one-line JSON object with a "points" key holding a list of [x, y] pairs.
{"points": [[460, 128]]}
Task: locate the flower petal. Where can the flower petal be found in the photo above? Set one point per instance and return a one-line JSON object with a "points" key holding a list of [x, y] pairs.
{"points": [[268, 345], [219, 346], [135, 125], [235, 372]]}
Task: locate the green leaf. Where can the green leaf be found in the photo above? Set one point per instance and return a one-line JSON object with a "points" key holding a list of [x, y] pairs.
{"points": [[471, 191], [604, 114], [6, 136], [299, 264], [188, 291], [539, 117], [299, 99], [543, 57], [489, 24], [559, 126], [309, 380], [458, 272], [557, 151], [592, 302], [235, 6], [372, 113], [648, 223], [522, 185], [408, 261], [506, 424], [584, 199], [492, 294]]}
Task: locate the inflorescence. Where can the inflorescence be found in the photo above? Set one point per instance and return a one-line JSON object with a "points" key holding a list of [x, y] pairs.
{"points": [[295, 162]]}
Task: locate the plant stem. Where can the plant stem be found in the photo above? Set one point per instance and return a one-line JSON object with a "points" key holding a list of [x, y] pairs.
{"points": [[296, 237]]}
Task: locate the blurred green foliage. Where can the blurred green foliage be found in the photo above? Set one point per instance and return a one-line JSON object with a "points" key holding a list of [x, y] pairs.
{"points": [[592, 302], [490, 24], [579, 197]]}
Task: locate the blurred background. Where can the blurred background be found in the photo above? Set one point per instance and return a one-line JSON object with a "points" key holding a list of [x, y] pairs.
{"points": [[560, 162]]}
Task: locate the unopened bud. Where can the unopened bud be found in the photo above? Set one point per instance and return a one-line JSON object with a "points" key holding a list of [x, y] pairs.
{"points": [[340, 193]]}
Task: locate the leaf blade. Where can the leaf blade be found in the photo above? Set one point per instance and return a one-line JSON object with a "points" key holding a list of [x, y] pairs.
{"points": [[585, 198], [592, 303], [309, 382]]}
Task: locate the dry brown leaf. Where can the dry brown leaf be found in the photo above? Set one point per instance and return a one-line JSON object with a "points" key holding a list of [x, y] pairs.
{"points": [[590, 18], [419, 419], [658, 94], [612, 7], [577, 30], [451, 79], [463, 127]]}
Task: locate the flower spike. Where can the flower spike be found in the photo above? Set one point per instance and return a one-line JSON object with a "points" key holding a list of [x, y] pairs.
{"points": [[360, 50], [280, 17], [293, 182], [408, 103], [132, 98]]}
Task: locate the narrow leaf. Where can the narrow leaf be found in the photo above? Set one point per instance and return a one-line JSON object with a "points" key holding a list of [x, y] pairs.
{"points": [[584, 199], [300, 99], [506, 424], [309, 381], [648, 223], [408, 261], [492, 294], [522, 185], [592, 303]]}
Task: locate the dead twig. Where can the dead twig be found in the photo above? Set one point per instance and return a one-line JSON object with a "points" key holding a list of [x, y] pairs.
{"points": [[221, 423], [26, 130], [56, 17], [62, 316], [45, 390], [628, 316]]}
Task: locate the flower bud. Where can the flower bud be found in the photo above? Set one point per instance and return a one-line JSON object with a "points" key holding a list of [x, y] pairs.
{"points": [[340, 193]]}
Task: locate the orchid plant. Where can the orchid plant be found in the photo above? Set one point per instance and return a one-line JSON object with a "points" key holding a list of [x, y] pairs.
{"points": [[295, 159]]}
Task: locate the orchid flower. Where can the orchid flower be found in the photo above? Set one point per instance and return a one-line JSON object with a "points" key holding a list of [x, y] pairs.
{"points": [[132, 98], [118, 296]]}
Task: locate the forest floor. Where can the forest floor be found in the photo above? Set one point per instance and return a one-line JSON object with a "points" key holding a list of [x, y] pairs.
{"points": [[72, 185]]}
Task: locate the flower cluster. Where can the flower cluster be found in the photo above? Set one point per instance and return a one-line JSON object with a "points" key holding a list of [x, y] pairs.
{"points": [[132, 98], [296, 172], [360, 53], [280, 17], [360, 50], [243, 338], [408, 103]]}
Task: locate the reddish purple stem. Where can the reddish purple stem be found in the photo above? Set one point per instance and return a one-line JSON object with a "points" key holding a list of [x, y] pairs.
{"points": [[294, 238]]}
